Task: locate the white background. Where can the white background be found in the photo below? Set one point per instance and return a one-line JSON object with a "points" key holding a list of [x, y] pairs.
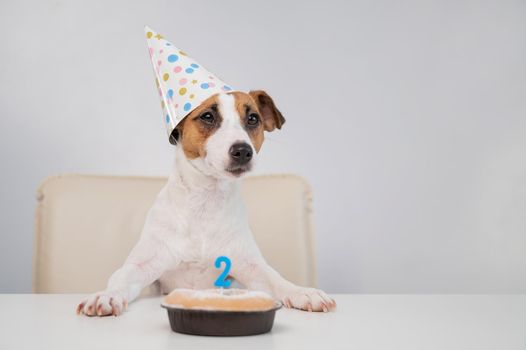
{"points": [[407, 117]]}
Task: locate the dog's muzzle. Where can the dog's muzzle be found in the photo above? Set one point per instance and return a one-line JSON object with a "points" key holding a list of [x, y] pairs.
{"points": [[240, 157]]}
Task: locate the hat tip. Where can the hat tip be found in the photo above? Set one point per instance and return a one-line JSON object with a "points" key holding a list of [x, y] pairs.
{"points": [[147, 29]]}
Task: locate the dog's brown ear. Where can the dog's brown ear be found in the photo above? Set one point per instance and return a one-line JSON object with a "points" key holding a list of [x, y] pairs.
{"points": [[272, 117], [177, 133], [174, 136]]}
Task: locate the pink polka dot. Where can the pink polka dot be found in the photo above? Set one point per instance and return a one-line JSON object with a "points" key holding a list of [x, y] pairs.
{"points": [[211, 77], [176, 105], [183, 81], [178, 69], [159, 62], [211, 84], [161, 51]]}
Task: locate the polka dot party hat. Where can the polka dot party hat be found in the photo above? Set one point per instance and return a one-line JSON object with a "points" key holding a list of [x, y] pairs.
{"points": [[182, 82]]}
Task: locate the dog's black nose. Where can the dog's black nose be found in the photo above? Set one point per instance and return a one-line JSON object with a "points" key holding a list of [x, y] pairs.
{"points": [[241, 153]]}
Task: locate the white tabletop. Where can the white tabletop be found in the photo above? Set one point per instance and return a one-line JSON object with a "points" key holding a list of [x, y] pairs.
{"points": [[360, 322]]}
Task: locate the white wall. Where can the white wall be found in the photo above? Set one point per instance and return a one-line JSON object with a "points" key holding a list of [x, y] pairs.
{"points": [[408, 118]]}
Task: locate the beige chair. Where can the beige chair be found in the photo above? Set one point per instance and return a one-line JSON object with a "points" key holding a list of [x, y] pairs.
{"points": [[86, 225]]}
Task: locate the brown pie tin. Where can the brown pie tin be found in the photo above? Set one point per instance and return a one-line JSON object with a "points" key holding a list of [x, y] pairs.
{"points": [[220, 322]]}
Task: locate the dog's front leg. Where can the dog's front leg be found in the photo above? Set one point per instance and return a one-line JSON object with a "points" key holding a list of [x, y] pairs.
{"points": [[145, 264], [256, 274]]}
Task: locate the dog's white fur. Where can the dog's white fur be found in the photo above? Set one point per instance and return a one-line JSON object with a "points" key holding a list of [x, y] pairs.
{"points": [[198, 216]]}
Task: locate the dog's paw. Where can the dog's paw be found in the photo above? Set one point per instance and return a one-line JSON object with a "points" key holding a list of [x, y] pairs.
{"points": [[308, 299], [103, 304]]}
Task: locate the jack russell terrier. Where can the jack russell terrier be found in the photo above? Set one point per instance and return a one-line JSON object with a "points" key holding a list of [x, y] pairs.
{"points": [[199, 214]]}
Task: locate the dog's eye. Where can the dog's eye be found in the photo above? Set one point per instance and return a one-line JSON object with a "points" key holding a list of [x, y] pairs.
{"points": [[207, 117], [253, 119]]}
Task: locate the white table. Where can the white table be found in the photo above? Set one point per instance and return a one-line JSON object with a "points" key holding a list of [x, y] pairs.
{"points": [[361, 322]]}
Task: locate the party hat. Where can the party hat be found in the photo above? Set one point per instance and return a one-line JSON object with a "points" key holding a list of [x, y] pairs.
{"points": [[182, 83]]}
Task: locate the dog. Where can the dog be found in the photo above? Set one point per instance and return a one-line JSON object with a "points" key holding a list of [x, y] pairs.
{"points": [[199, 214]]}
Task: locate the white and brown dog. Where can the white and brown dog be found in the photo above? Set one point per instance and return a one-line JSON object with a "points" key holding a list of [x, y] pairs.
{"points": [[199, 214]]}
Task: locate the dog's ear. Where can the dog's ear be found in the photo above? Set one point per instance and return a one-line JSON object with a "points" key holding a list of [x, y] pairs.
{"points": [[272, 117], [177, 133], [174, 136]]}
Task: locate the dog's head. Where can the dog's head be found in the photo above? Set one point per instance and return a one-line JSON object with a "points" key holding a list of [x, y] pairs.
{"points": [[223, 135]]}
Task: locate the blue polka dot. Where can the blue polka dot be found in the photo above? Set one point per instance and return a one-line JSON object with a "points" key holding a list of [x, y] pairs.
{"points": [[170, 93], [194, 65], [173, 58], [187, 106], [189, 70], [168, 44], [227, 88], [205, 86], [167, 118]]}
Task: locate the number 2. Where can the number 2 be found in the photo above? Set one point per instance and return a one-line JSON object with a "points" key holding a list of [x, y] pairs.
{"points": [[221, 281]]}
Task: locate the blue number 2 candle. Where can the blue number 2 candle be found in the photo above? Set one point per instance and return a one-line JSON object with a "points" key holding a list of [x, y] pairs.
{"points": [[222, 281]]}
